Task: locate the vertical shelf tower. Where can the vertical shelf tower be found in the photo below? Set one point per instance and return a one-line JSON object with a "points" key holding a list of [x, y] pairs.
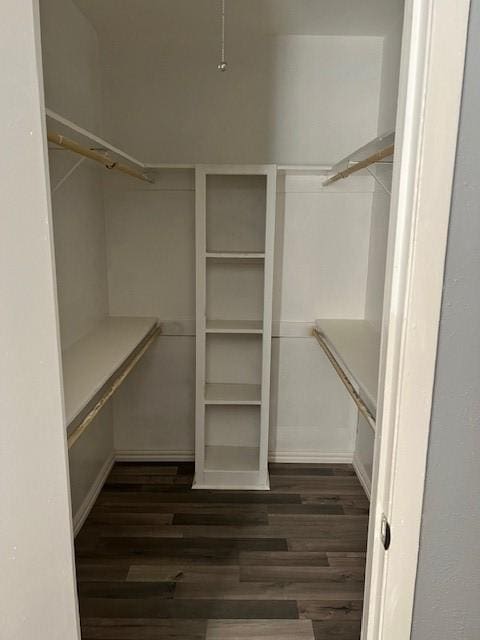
{"points": [[235, 227]]}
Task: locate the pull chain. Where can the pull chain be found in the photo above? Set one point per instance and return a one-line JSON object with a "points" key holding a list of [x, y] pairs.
{"points": [[223, 64]]}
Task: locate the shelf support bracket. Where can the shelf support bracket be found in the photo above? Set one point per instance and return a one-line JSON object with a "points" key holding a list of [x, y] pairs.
{"points": [[67, 175]]}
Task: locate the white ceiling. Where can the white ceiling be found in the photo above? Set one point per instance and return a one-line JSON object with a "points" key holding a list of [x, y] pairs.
{"points": [[193, 18]]}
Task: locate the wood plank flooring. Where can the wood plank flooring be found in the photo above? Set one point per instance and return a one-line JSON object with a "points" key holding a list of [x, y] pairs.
{"points": [[158, 561]]}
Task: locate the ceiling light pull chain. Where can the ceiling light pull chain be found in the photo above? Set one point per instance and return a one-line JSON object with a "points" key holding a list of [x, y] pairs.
{"points": [[223, 64]]}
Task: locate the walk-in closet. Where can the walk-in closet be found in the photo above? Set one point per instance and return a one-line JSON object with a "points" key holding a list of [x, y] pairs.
{"points": [[220, 180]]}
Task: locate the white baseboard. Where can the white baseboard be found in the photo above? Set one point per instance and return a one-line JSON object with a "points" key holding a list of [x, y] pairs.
{"points": [[306, 457], [86, 506], [311, 457], [154, 456], [362, 475]]}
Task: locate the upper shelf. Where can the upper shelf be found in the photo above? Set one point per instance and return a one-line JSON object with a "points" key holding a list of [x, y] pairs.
{"points": [[378, 150], [92, 147], [91, 361], [356, 345], [64, 127]]}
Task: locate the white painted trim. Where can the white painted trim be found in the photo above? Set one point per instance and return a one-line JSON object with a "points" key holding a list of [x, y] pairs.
{"points": [[421, 196], [127, 455], [311, 457], [89, 500], [297, 457], [362, 475]]}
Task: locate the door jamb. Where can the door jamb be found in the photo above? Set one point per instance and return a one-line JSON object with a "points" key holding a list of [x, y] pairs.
{"points": [[431, 78]]}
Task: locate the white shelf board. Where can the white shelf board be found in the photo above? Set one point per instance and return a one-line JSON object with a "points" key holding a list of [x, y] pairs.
{"points": [[233, 394], [234, 326], [373, 146], [218, 458], [91, 361], [234, 255], [58, 124], [356, 344]]}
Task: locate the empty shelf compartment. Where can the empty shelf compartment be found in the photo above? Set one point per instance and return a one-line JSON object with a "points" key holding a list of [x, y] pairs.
{"points": [[222, 458], [224, 393]]}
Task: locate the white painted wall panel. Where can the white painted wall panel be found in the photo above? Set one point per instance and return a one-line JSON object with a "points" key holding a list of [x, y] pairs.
{"points": [[154, 411], [37, 586], [377, 257], [89, 455], [311, 413], [364, 448], [80, 253], [321, 255], [150, 245], [71, 64]]}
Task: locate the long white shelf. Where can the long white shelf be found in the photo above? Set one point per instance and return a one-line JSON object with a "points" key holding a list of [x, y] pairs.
{"points": [[356, 345], [67, 128], [218, 458], [233, 394], [91, 361], [234, 326]]}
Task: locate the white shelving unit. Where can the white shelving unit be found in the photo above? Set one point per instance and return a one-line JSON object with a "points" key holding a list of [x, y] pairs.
{"points": [[235, 222]]}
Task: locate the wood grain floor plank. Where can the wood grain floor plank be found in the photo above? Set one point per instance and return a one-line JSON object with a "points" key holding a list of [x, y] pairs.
{"points": [[270, 591], [334, 575], [346, 559], [107, 497], [284, 558], [260, 630], [336, 630], [203, 609], [225, 519], [183, 573], [145, 629], [328, 611], [345, 543]]}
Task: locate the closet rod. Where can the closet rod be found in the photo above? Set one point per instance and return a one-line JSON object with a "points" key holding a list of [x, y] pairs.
{"points": [[107, 162], [362, 407], [375, 157], [122, 373]]}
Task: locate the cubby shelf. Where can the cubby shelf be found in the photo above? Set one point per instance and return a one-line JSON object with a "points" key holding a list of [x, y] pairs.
{"points": [[233, 394], [235, 255], [234, 326], [220, 458]]}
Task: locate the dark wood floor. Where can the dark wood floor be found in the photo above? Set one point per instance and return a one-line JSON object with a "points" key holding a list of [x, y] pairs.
{"points": [[158, 561]]}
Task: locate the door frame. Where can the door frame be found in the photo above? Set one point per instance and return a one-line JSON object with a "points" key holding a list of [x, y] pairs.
{"points": [[431, 79]]}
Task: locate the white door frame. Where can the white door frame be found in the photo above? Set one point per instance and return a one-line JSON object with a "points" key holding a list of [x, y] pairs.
{"points": [[431, 78]]}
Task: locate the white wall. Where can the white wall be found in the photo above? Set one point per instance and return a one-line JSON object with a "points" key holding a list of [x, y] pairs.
{"points": [[73, 88], [288, 99], [71, 64], [37, 585], [391, 68], [80, 255], [321, 270]]}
